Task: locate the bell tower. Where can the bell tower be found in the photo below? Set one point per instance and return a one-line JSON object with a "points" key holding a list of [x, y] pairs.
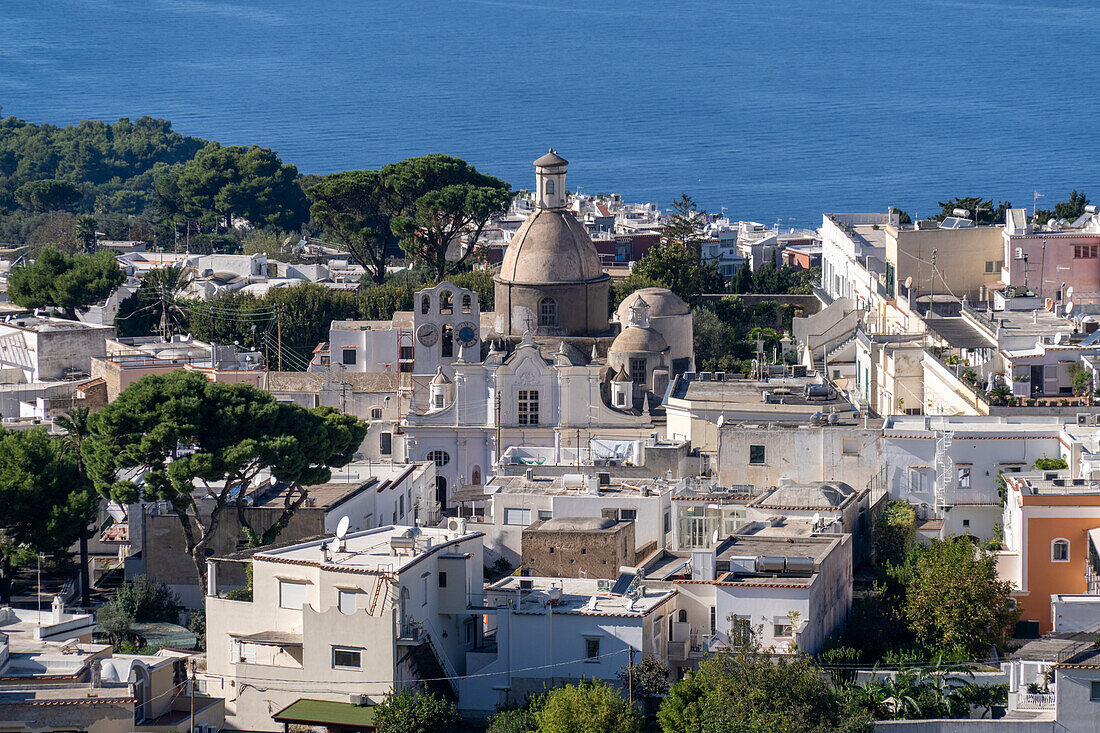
{"points": [[550, 181]]}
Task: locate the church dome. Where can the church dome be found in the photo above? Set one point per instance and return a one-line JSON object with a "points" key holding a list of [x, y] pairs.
{"points": [[638, 340], [661, 302], [551, 247]]}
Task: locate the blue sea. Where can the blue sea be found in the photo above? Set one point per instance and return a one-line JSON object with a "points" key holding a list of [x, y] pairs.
{"points": [[774, 111]]}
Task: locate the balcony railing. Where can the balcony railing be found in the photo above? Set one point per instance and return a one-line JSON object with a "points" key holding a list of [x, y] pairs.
{"points": [[1035, 701]]}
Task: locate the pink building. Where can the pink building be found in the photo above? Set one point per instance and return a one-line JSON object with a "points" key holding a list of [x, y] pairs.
{"points": [[1044, 259]]}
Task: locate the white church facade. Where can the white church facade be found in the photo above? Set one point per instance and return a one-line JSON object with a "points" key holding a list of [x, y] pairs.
{"points": [[547, 368]]}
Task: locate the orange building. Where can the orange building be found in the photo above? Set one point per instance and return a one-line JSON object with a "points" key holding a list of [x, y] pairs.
{"points": [[1047, 517]]}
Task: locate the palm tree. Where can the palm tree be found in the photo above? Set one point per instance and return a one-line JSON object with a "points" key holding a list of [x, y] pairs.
{"points": [[85, 232], [169, 285], [75, 425]]}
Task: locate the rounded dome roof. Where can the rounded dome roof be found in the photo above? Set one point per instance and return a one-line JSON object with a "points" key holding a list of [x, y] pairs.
{"points": [[661, 302], [638, 340], [551, 247]]}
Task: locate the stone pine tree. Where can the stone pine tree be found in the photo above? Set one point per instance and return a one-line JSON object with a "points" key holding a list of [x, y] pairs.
{"points": [[357, 208], [65, 282], [444, 199], [200, 446], [46, 501]]}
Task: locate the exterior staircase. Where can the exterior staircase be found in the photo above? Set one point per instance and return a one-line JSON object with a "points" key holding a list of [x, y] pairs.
{"points": [[945, 468]]}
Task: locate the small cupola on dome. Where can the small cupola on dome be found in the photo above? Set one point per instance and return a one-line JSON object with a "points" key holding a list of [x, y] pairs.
{"points": [[639, 314], [622, 389], [439, 390], [550, 179]]}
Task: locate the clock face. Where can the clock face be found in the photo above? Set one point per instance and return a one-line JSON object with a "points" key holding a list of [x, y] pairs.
{"points": [[467, 333], [427, 334]]}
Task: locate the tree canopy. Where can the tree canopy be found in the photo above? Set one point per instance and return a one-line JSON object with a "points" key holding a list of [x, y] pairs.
{"points": [[413, 711], [586, 707], [954, 600], [684, 226], [982, 211], [66, 282], [48, 194], [232, 433], [46, 500], [746, 689], [680, 270], [357, 208], [237, 181], [1068, 210]]}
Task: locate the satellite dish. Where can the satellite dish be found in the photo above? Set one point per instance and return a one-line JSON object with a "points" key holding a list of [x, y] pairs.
{"points": [[1049, 304], [908, 282], [342, 527], [1069, 292], [714, 537], [1069, 307], [1058, 337], [721, 420], [817, 519], [334, 546]]}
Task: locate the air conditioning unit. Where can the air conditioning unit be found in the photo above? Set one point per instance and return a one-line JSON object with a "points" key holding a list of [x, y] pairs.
{"points": [[1096, 419], [1083, 419], [359, 699], [1019, 253], [456, 524]]}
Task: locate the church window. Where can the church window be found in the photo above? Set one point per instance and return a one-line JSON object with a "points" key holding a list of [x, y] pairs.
{"points": [[466, 303], [1059, 550], [528, 406], [446, 302], [425, 305], [637, 371], [548, 312], [439, 457], [376, 413], [549, 185], [475, 475], [620, 399], [447, 344]]}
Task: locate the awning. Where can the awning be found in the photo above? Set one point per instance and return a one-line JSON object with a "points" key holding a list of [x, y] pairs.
{"points": [[468, 494], [271, 638], [325, 712]]}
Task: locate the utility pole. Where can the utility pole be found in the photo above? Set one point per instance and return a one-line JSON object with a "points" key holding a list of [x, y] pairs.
{"points": [[932, 287], [630, 677], [279, 331], [191, 720]]}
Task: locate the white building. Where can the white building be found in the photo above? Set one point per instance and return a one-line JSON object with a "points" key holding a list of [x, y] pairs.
{"points": [[949, 467], [336, 619]]}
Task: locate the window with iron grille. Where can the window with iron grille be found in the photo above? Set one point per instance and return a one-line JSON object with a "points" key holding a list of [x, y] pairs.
{"points": [[548, 312], [528, 406], [439, 457], [637, 371]]}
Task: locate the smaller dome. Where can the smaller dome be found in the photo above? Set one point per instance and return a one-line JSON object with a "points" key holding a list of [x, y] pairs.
{"points": [[637, 340], [440, 377], [551, 160], [661, 301], [621, 375]]}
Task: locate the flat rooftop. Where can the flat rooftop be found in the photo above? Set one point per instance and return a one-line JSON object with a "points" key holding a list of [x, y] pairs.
{"points": [[1054, 483], [984, 425], [565, 486], [1035, 324], [784, 545], [44, 324], [369, 551], [401, 319], [581, 596], [819, 495], [745, 398]]}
